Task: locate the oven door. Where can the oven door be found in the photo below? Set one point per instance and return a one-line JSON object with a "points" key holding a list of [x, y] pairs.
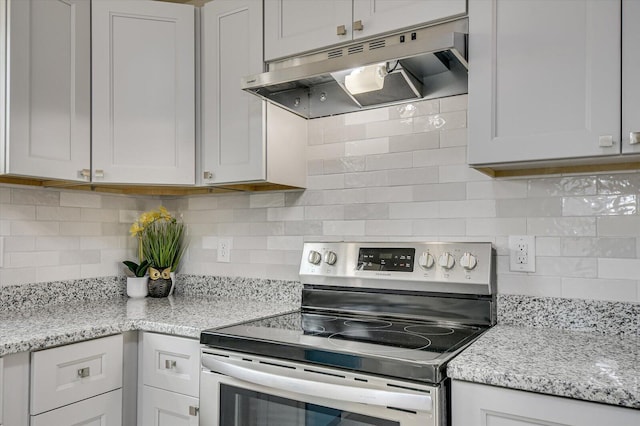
{"points": [[246, 391]]}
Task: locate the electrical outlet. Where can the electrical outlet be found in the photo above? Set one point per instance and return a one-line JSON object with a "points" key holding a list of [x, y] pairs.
{"points": [[522, 253], [224, 249]]}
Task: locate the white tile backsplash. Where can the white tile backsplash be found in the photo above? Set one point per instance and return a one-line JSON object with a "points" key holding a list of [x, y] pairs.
{"points": [[396, 173]]}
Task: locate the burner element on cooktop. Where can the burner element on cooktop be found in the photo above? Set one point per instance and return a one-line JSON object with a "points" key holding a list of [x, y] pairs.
{"points": [[430, 330], [379, 341], [367, 323]]}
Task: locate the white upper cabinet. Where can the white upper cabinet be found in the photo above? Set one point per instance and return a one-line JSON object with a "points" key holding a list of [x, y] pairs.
{"points": [[45, 117], [295, 26], [630, 76], [544, 80], [243, 139], [143, 92]]}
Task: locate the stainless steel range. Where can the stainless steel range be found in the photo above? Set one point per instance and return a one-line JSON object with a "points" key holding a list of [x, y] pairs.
{"points": [[370, 345]]}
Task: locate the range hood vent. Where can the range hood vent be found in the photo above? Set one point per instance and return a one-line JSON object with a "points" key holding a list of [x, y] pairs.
{"points": [[424, 63]]}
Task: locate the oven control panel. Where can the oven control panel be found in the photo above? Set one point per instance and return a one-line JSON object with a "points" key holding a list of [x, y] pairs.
{"points": [[452, 267]]}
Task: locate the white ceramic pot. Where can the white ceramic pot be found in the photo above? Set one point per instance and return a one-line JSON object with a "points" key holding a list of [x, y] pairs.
{"points": [[137, 286]]}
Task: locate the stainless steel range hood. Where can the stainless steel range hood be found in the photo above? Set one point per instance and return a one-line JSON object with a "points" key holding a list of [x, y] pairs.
{"points": [[424, 63]]}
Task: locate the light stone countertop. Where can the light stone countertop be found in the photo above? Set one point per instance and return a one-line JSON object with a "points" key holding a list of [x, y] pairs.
{"points": [[43, 327], [576, 364]]}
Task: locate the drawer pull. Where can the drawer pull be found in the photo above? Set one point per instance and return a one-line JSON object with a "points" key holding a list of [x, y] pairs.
{"points": [[84, 372], [634, 138], [193, 411], [170, 364]]}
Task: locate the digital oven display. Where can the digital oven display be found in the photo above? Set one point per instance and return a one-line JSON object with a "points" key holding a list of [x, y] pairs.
{"points": [[386, 259]]}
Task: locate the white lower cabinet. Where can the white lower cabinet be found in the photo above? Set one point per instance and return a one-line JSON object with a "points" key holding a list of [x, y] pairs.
{"points": [[170, 380], [474, 404], [1, 386], [163, 408], [101, 410]]}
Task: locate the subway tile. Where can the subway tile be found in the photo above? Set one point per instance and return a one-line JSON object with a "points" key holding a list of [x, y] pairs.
{"points": [[200, 229], [562, 186], [414, 109], [266, 229], [210, 242], [326, 182], [323, 152], [562, 226], [235, 201], [343, 227], [415, 210], [65, 214], [414, 176], [124, 202], [627, 183], [17, 212], [92, 243], [496, 226], [117, 229], [314, 131], [345, 196], [56, 243], [454, 103], [439, 227], [530, 285], [99, 215], [531, 207], [80, 199], [599, 289], [34, 259], [618, 226], [366, 211], [548, 246], [239, 228], [14, 244], [584, 267], [275, 199], [266, 257], [600, 205], [303, 227], [623, 269], [453, 137], [599, 247], [248, 215], [389, 227], [309, 197], [57, 273], [5, 195], [333, 212], [202, 203], [315, 167], [15, 276], [414, 142], [79, 257], [128, 216], [399, 160], [394, 194], [285, 213], [344, 165], [239, 242], [35, 196], [366, 179], [366, 147], [285, 242], [460, 173], [439, 157], [497, 189], [468, 208], [442, 121], [367, 116], [101, 270], [34, 228], [379, 129], [343, 133], [440, 192], [210, 216]]}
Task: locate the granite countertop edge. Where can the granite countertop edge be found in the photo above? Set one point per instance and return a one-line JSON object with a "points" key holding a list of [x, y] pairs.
{"points": [[574, 364]]}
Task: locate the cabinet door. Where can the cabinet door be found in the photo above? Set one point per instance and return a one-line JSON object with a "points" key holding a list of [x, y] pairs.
{"points": [[481, 405], [1, 388], [544, 80], [380, 16], [233, 146], [164, 408], [630, 79], [49, 89], [143, 92], [101, 410], [295, 26]]}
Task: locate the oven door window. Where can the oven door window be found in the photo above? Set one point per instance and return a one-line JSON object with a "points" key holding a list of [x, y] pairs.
{"points": [[242, 407]]}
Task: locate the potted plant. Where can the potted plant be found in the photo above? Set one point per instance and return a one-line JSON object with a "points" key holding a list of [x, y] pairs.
{"points": [[160, 248], [137, 284]]}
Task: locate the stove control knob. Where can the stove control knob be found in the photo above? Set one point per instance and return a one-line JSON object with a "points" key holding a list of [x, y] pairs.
{"points": [[314, 257], [468, 261], [330, 258], [426, 260], [446, 260]]}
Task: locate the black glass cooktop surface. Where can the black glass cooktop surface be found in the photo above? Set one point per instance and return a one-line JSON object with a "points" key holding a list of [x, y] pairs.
{"points": [[414, 350]]}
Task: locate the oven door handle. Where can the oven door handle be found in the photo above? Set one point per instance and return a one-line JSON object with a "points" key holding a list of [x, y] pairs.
{"points": [[292, 381]]}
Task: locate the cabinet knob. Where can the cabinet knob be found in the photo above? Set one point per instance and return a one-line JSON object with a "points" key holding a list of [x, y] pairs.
{"points": [[341, 30], [84, 372], [99, 173], [357, 26], [170, 364], [634, 138], [207, 175], [84, 174], [193, 411]]}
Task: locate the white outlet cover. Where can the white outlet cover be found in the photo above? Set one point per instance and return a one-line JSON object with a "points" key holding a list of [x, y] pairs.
{"points": [[530, 243], [224, 249]]}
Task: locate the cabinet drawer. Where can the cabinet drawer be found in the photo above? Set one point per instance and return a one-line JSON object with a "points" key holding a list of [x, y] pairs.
{"points": [[103, 410], [164, 408], [171, 363], [70, 373]]}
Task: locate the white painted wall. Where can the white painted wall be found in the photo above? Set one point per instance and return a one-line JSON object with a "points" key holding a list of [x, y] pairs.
{"points": [[395, 173]]}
